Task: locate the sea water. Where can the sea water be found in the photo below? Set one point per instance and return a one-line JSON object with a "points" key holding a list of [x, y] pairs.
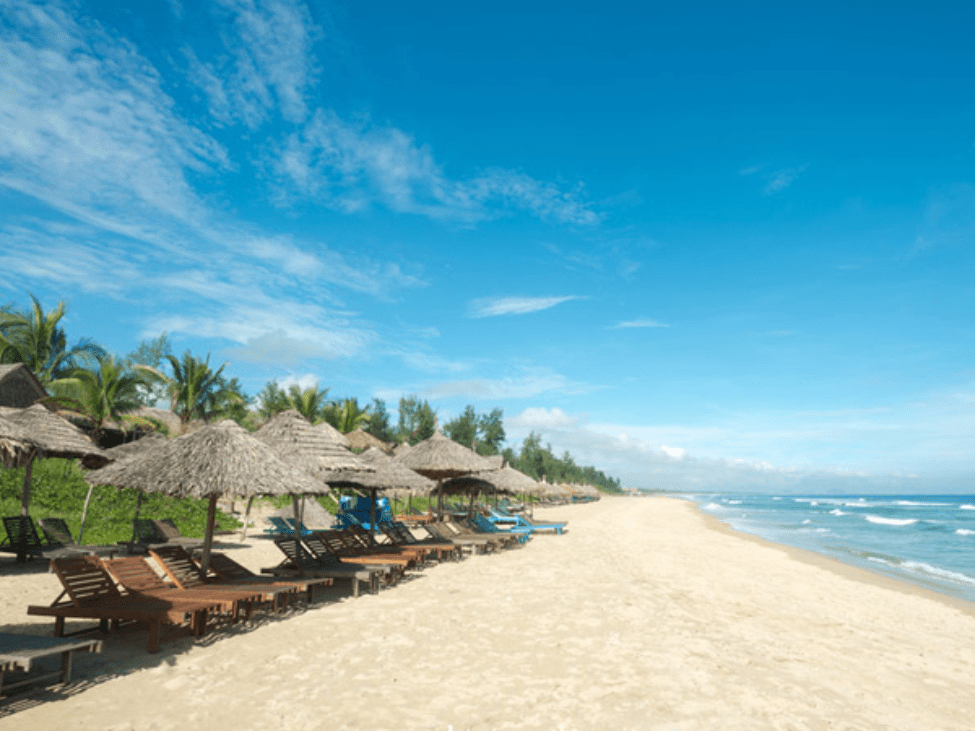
{"points": [[927, 540]]}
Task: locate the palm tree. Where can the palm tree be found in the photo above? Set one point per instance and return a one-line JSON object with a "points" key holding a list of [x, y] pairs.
{"points": [[106, 392], [36, 339], [195, 390], [347, 416], [310, 402]]}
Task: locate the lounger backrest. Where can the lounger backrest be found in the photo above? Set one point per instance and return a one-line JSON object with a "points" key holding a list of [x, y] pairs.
{"points": [[328, 542], [401, 531], [295, 553], [228, 569], [135, 573], [167, 529], [145, 532], [362, 537], [85, 580], [57, 531], [179, 567], [22, 534]]}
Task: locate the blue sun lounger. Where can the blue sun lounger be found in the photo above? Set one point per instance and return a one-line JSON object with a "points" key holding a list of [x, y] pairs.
{"points": [[519, 521]]}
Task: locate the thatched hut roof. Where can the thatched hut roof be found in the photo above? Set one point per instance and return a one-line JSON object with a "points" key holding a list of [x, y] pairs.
{"points": [[297, 442], [19, 387], [331, 433], [360, 439], [136, 447], [15, 447], [391, 475], [54, 436], [218, 459], [508, 479], [467, 485], [441, 458]]}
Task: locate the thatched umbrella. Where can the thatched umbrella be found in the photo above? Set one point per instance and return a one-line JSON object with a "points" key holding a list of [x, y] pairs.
{"points": [[218, 459], [118, 453], [360, 439], [440, 458], [313, 449], [15, 445], [331, 433], [52, 436], [391, 476]]}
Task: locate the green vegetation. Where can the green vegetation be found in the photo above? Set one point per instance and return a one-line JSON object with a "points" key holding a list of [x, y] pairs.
{"points": [[59, 491], [104, 387]]}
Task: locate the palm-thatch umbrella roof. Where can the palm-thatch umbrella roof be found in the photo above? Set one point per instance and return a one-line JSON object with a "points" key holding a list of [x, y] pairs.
{"points": [[217, 459], [51, 436], [15, 447], [510, 480], [468, 485], [294, 440], [391, 475], [55, 436], [440, 458], [360, 439], [332, 434], [136, 446]]}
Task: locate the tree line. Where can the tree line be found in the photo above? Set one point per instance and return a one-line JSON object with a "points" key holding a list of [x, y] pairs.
{"points": [[104, 387]]}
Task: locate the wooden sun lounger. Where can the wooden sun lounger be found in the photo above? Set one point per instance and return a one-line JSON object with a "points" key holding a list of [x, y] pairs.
{"points": [[443, 531], [57, 533], [319, 548], [301, 562], [345, 547], [19, 652], [24, 540], [369, 544], [92, 594], [400, 535], [186, 574], [226, 569], [138, 576]]}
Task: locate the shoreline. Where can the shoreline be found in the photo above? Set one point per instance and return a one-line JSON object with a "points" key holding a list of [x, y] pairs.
{"points": [[835, 565]]}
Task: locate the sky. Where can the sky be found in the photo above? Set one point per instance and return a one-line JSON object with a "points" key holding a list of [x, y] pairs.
{"points": [[700, 246]]}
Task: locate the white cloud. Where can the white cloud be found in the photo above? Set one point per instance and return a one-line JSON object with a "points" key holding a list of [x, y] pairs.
{"points": [[637, 323], [534, 383], [351, 166], [782, 179], [494, 306]]}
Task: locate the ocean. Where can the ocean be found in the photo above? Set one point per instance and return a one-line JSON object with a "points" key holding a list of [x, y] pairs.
{"points": [[926, 540]]}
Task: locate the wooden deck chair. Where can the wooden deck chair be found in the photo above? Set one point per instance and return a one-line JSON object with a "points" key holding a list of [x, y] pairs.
{"points": [[136, 575], [347, 548], [58, 534], [300, 562], [227, 570], [400, 535], [89, 592], [183, 571], [24, 540], [168, 531]]}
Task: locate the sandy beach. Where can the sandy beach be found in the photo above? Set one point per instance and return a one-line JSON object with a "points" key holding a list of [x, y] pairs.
{"points": [[645, 614]]}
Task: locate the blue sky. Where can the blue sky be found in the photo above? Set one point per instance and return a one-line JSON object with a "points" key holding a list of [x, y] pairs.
{"points": [[701, 247]]}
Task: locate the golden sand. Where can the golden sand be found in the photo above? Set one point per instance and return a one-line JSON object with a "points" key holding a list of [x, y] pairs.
{"points": [[644, 615]]}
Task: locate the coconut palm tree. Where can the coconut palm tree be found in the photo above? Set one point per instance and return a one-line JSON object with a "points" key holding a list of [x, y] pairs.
{"points": [[347, 415], [106, 392], [196, 391], [36, 339]]}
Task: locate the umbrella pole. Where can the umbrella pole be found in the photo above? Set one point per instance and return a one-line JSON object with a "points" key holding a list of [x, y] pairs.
{"points": [[84, 515], [372, 514], [208, 537], [247, 517], [135, 520], [297, 511], [25, 498]]}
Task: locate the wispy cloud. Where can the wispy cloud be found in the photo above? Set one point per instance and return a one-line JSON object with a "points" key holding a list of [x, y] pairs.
{"points": [[637, 323], [534, 383], [775, 180], [269, 66], [782, 179], [495, 306], [353, 165]]}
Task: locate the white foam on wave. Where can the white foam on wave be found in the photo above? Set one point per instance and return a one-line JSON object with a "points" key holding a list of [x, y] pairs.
{"points": [[713, 506], [967, 507], [807, 521], [924, 568], [837, 511], [733, 502], [911, 503], [965, 532], [890, 521]]}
